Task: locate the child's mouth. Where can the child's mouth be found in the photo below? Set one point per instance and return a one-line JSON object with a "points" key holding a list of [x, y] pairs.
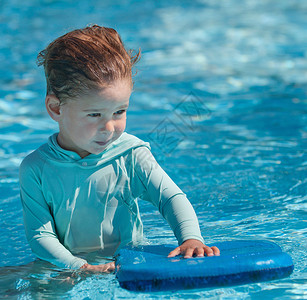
{"points": [[102, 143]]}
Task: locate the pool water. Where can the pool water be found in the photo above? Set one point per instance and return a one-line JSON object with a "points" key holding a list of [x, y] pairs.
{"points": [[220, 93]]}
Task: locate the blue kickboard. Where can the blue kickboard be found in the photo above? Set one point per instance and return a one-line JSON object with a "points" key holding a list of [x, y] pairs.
{"points": [[147, 268]]}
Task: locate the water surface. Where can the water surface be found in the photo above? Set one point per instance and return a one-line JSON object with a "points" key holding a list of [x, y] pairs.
{"points": [[220, 94]]}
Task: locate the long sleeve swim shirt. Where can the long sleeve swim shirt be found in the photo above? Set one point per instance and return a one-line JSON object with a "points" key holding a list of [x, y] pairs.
{"points": [[73, 205]]}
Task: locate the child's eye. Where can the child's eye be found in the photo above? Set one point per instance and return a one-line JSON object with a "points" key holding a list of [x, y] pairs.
{"points": [[94, 115], [120, 112]]}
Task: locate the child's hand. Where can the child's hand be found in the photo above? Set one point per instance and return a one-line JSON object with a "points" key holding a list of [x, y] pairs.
{"points": [[194, 247], [106, 268]]}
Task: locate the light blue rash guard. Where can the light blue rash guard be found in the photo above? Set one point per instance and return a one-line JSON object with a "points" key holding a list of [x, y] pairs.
{"points": [[73, 205]]}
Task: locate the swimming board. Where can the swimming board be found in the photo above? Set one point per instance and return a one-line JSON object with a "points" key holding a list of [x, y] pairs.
{"points": [[147, 268]]}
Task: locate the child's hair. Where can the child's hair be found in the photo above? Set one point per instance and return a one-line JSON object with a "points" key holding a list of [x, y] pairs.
{"points": [[85, 59]]}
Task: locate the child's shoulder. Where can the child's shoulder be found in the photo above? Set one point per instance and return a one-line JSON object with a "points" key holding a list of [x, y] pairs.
{"points": [[141, 152], [126, 143], [130, 141], [35, 159]]}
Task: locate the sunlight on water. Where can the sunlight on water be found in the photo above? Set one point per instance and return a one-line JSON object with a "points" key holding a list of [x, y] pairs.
{"points": [[226, 80]]}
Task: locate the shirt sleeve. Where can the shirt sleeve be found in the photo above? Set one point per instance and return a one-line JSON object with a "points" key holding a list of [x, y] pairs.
{"points": [[39, 224], [154, 185]]}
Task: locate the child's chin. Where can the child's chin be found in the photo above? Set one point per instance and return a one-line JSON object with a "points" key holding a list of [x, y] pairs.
{"points": [[100, 149]]}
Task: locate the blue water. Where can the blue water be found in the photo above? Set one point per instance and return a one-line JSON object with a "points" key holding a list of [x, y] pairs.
{"points": [[220, 94]]}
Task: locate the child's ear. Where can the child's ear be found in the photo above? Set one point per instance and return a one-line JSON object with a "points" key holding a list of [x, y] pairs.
{"points": [[53, 107]]}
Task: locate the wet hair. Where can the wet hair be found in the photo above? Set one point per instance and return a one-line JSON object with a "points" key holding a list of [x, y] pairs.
{"points": [[85, 59]]}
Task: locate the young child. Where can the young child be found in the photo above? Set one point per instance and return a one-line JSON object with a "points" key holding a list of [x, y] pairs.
{"points": [[79, 190]]}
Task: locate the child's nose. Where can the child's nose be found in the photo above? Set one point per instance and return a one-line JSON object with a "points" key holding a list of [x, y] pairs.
{"points": [[107, 126]]}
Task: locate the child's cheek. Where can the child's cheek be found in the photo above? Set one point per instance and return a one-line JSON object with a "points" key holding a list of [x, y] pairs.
{"points": [[91, 129], [122, 126]]}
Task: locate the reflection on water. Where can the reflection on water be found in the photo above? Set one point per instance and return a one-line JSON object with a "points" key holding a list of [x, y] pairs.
{"points": [[42, 280], [239, 154]]}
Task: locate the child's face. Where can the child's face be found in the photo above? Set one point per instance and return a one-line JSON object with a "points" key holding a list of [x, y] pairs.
{"points": [[91, 123]]}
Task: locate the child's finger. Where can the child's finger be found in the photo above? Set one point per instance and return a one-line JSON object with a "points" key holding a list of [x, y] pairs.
{"points": [[189, 253], [199, 251], [208, 251], [215, 250], [175, 252], [110, 267], [107, 268]]}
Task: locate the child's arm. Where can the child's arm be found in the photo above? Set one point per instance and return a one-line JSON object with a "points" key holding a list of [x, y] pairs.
{"points": [[40, 227], [39, 224], [157, 187]]}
